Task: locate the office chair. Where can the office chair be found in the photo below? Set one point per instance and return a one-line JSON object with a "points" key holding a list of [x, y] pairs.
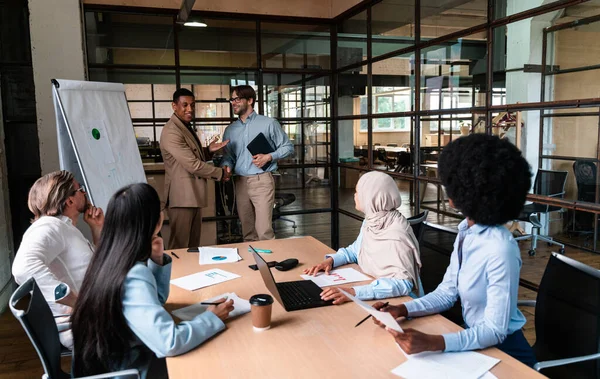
{"points": [[363, 156], [28, 305], [436, 246], [547, 183], [403, 161], [567, 319], [585, 176], [416, 222], [382, 157], [281, 200]]}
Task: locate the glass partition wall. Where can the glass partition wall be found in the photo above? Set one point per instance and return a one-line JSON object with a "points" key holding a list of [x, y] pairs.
{"points": [[287, 62], [384, 87], [434, 71]]}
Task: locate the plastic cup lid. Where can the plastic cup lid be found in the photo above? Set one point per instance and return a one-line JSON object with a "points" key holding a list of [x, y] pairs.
{"points": [[261, 299]]}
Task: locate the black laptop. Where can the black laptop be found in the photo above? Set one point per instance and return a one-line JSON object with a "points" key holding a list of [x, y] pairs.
{"points": [[300, 294]]}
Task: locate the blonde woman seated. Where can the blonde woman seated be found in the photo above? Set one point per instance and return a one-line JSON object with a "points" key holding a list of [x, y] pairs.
{"points": [[386, 247]]}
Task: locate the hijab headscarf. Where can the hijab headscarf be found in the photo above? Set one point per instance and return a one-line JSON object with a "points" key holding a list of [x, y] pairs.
{"points": [[389, 247]]}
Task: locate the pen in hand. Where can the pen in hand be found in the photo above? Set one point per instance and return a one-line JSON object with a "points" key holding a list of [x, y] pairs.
{"points": [[173, 254], [204, 303], [366, 318]]}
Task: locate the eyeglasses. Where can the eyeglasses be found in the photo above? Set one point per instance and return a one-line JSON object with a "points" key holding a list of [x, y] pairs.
{"points": [[236, 99], [81, 189]]}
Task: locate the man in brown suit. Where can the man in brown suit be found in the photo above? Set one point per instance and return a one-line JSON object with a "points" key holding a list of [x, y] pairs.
{"points": [[186, 172]]}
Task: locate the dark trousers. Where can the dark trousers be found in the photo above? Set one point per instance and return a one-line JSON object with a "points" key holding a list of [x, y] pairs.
{"points": [[517, 347], [185, 225]]}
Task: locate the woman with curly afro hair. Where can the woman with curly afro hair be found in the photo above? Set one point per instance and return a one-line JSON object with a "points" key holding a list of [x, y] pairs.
{"points": [[487, 179]]}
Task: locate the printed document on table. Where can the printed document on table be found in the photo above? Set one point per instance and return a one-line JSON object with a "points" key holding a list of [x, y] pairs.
{"points": [[214, 255], [439, 365], [241, 306], [204, 279], [337, 277], [385, 317]]}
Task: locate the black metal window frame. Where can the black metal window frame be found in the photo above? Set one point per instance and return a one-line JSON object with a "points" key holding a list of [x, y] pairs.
{"points": [[416, 114]]}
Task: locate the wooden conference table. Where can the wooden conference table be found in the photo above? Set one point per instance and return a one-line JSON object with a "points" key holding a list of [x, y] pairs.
{"points": [[320, 342]]}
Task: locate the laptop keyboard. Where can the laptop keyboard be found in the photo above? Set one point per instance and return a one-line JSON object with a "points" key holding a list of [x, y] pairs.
{"points": [[294, 295]]}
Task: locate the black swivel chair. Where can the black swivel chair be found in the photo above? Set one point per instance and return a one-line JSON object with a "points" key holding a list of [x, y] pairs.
{"points": [[585, 176], [567, 320], [29, 306], [417, 222], [404, 161], [548, 183], [436, 246], [281, 200], [383, 157]]}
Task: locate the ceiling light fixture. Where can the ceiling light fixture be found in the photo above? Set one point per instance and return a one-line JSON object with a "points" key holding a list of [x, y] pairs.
{"points": [[195, 22], [183, 18]]}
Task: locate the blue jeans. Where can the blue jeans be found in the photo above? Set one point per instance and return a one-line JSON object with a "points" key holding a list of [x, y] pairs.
{"points": [[517, 347]]}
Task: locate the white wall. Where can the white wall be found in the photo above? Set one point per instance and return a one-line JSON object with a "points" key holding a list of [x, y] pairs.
{"points": [[57, 52]]}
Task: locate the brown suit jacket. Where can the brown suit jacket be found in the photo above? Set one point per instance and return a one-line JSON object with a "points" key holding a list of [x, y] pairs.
{"points": [[186, 171]]}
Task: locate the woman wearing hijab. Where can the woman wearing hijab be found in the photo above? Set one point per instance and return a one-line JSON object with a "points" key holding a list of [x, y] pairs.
{"points": [[386, 247]]}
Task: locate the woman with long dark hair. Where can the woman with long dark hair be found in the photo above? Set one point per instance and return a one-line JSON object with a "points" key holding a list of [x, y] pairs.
{"points": [[119, 321]]}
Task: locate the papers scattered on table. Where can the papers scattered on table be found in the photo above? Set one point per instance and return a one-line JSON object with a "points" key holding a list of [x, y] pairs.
{"points": [[241, 306], [213, 255], [337, 277], [438, 365], [204, 279], [385, 317], [434, 365]]}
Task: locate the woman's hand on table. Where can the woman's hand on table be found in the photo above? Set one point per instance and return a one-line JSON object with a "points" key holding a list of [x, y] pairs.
{"points": [[326, 266], [334, 293]]}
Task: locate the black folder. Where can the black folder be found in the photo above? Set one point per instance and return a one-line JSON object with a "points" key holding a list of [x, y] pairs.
{"points": [[260, 145]]}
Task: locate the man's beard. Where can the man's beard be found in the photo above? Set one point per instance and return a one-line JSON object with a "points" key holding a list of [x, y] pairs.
{"points": [[241, 110]]}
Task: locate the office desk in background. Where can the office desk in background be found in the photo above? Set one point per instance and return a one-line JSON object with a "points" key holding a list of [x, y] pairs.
{"points": [[320, 342], [391, 149]]}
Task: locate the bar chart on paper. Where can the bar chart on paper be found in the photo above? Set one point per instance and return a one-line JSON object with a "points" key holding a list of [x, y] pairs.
{"points": [[204, 279]]}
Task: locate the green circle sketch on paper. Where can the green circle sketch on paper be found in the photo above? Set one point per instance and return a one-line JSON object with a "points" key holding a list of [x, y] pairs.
{"points": [[96, 133]]}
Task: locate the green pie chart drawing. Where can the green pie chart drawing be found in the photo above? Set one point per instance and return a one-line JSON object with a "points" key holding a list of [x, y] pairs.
{"points": [[96, 133]]}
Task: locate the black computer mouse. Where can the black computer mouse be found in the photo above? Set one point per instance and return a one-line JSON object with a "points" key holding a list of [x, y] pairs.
{"points": [[287, 264]]}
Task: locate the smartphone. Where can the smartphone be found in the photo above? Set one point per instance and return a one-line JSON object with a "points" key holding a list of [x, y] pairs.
{"points": [[193, 250], [270, 264]]}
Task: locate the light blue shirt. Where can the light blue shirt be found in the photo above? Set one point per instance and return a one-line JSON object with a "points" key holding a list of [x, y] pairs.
{"points": [[145, 291], [240, 134], [381, 288], [487, 284]]}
